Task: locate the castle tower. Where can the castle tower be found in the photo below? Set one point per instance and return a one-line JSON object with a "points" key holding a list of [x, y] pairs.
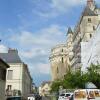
{"points": [[58, 61]]}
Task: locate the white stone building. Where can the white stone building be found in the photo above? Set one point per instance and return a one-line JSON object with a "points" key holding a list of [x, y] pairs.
{"points": [[3, 67], [90, 51], [83, 32], [45, 88], [73, 49], [18, 79]]}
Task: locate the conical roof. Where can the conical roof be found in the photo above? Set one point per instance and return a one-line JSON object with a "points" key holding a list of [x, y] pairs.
{"points": [[69, 30]]}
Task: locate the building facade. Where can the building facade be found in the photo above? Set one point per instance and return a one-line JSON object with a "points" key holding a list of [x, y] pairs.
{"points": [[18, 79], [72, 53], [83, 32], [91, 55], [45, 88], [3, 67], [58, 61]]}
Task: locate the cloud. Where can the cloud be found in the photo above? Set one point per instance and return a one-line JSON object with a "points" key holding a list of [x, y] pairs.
{"points": [[44, 37], [35, 46], [56, 7], [3, 49], [64, 5], [43, 68]]}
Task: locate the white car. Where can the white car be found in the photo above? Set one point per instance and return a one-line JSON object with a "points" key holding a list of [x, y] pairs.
{"points": [[31, 97], [65, 96]]}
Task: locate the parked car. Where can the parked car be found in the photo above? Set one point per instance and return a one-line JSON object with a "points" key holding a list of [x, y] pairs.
{"points": [[87, 94], [31, 97], [65, 96], [34, 96], [14, 98]]}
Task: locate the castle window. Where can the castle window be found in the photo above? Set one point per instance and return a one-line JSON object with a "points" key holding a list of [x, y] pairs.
{"points": [[62, 60], [80, 39], [89, 20], [93, 27], [90, 35], [62, 50], [57, 70]]}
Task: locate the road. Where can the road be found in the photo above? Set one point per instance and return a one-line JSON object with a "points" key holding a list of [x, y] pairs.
{"points": [[46, 98]]}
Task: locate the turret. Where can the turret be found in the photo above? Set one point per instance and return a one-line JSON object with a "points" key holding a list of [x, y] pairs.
{"points": [[69, 31]]}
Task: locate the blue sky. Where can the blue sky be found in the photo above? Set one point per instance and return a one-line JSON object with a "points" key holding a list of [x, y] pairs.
{"points": [[34, 27]]}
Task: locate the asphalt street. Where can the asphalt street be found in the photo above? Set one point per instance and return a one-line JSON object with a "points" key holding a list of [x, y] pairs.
{"points": [[46, 98]]}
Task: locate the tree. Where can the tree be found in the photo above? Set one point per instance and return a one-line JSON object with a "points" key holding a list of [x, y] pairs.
{"points": [[79, 79], [94, 74], [55, 85]]}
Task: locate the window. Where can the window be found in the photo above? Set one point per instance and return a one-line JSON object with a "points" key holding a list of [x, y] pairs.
{"points": [[62, 60], [9, 87], [10, 74], [57, 70], [93, 27], [90, 35], [2, 74], [89, 20], [62, 50]]}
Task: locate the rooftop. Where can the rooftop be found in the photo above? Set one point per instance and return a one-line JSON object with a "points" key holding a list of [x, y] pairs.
{"points": [[11, 57]]}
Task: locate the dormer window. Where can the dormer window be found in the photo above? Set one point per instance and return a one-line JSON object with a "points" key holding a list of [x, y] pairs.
{"points": [[89, 20]]}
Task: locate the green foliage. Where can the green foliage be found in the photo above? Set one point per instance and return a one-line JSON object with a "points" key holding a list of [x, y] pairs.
{"points": [[94, 74], [55, 85], [75, 80], [78, 79]]}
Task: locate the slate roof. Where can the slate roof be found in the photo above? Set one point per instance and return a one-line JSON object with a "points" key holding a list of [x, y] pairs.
{"points": [[88, 12], [4, 63], [11, 57]]}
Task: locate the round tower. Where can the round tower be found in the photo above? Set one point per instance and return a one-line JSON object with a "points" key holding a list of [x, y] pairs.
{"points": [[58, 60]]}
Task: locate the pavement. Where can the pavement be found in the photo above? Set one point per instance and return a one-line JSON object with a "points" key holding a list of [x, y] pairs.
{"points": [[46, 98]]}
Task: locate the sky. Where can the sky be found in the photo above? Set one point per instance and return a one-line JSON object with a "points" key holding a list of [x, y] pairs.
{"points": [[33, 27]]}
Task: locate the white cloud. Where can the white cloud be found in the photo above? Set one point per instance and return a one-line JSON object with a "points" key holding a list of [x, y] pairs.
{"points": [[44, 37], [3, 49], [64, 5], [57, 7], [38, 45], [43, 68]]}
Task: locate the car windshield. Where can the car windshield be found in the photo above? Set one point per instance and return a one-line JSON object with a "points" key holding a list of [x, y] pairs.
{"points": [[80, 94], [67, 95], [62, 95]]}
